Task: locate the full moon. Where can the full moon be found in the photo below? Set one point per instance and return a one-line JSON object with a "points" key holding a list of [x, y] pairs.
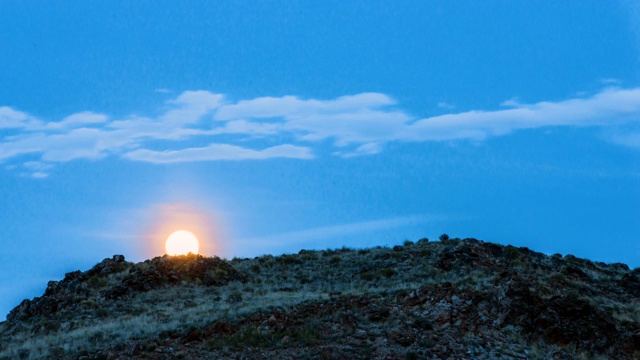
{"points": [[182, 242]]}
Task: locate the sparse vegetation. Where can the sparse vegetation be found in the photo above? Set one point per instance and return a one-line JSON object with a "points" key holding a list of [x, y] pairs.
{"points": [[338, 303]]}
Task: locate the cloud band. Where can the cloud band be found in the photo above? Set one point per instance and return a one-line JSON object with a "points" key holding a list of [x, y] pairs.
{"points": [[288, 127]]}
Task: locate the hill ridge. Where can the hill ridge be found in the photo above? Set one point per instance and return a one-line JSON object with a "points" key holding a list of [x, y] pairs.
{"points": [[457, 298]]}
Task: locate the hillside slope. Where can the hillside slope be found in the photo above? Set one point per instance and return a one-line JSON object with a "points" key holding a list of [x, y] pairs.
{"points": [[452, 299]]}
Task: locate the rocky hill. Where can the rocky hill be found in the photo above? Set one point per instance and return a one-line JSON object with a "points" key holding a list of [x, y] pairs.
{"points": [[452, 299]]}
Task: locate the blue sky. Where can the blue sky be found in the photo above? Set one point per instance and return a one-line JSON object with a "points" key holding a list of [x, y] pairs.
{"points": [[268, 127]]}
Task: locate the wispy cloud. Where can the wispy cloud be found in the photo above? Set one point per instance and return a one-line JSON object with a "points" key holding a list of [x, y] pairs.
{"points": [[445, 105], [218, 152], [341, 230], [631, 139], [204, 126], [607, 108]]}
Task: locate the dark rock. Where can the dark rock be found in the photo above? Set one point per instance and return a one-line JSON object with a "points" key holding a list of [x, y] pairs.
{"points": [[468, 255], [565, 320], [166, 270], [620, 266], [74, 275], [195, 335], [631, 283], [575, 272], [377, 313], [52, 288]]}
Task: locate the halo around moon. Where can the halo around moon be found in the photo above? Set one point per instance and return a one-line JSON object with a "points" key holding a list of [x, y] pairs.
{"points": [[182, 242], [165, 218]]}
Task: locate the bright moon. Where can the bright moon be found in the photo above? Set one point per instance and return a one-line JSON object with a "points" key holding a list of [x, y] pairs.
{"points": [[182, 242]]}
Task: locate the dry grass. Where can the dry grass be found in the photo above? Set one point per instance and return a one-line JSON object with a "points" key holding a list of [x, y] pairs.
{"points": [[281, 282]]}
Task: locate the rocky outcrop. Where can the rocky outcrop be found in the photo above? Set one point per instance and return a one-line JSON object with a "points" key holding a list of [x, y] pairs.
{"points": [[114, 278], [64, 294], [168, 270]]}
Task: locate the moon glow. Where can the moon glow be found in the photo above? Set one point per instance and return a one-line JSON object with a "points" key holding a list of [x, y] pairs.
{"points": [[182, 242]]}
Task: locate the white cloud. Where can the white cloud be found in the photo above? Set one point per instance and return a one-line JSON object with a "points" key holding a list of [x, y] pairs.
{"points": [[355, 125], [78, 119], [37, 169], [248, 128], [362, 150], [81, 143], [191, 107], [348, 119], [373, 122], [40, 175], [184, 112], [290, 107], [12, 119], [215, 152], [607, 108], [347, 128]]}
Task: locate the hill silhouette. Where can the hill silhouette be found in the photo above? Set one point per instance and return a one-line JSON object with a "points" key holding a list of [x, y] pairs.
{"points": [[452, 299]]}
